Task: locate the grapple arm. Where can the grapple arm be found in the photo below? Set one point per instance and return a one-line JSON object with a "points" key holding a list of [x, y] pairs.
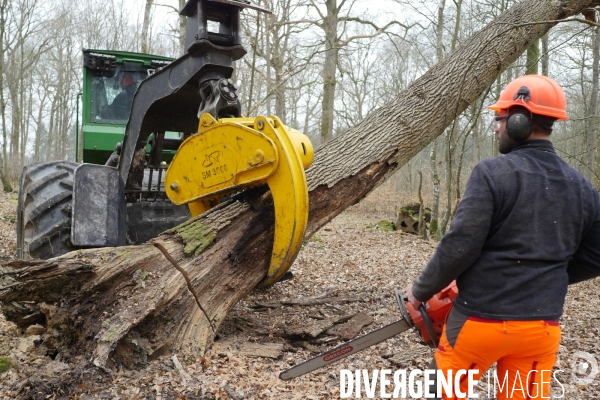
{"points": [[175, 96]]}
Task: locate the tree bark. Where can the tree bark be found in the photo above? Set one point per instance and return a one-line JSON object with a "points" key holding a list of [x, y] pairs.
{"points": [[545, 55], [533, 56], [448, 174], [4, 8], [15, 92], [182, 27], [146, 26], [422, 226], [592, 135], [332, 50], [132, 303], [435, 177]]}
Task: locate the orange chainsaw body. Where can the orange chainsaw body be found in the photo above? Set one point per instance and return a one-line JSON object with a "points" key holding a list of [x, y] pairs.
{"points": [[438, 308]]}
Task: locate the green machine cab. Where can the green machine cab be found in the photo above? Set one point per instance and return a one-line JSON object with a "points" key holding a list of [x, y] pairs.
{"points": [[110, 79]]}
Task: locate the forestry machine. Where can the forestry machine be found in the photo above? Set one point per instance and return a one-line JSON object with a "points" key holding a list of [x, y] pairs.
{"points": [[186, 145]]}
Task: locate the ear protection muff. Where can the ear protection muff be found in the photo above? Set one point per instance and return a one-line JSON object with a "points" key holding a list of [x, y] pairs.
{"points": [[519, 127]]}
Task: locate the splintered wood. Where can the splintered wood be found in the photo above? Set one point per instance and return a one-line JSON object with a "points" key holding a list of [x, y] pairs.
{"points": [[309, 301], [351, 328], [266, 350]]}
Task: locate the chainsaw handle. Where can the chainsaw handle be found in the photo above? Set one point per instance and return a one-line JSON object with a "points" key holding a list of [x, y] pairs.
{"points": [[428, 324], [401, 300]]}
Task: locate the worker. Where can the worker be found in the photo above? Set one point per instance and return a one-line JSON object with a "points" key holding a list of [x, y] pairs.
{"points": [[121, 105], [528, 225]]}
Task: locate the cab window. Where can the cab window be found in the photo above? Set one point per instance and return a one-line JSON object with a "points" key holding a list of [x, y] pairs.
{"points": [[112, 96]]}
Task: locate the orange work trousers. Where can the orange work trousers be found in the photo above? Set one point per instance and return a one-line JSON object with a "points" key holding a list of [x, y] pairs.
{"points": [[525, 352]]}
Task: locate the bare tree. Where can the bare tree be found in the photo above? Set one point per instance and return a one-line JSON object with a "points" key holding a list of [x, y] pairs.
{"points": [[4, 10], [146, 26], [545, 55], [333, 21], [593, 132], [533, 58], [358, 75], [435, 177]]}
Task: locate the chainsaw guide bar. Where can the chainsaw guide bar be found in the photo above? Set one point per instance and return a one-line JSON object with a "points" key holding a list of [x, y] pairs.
{"points": [[346, 349], [429, 318]]}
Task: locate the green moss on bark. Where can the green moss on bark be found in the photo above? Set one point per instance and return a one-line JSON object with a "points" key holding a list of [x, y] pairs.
{"points": [[195, 235]]}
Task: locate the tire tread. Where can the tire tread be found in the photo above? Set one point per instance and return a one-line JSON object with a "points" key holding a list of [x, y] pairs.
{"points": [[44, 210]]}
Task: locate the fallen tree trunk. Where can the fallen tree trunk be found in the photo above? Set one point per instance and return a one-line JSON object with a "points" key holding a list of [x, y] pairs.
{"points": [[130, 304]]}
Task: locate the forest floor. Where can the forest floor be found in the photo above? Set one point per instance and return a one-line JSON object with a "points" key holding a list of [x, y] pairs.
{"points": [[354, 266]]}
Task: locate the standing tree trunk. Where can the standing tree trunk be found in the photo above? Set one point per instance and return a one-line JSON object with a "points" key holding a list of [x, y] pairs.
{"points": [[254, 45], [15, 92], [545, 55], [133, 302], [330, 27], [422, 226], [182, 25], [435, 177], [533, 56], [448, 152], [4, 8], [145, 48], [6, 184], [592, 134], [333, 43]]}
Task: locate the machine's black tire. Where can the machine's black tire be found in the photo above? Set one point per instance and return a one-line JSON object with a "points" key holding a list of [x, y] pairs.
{"points": [[44, 210]]}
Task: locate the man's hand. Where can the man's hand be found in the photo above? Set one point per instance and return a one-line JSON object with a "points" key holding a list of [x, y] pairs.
{"points": [[411, 298]]}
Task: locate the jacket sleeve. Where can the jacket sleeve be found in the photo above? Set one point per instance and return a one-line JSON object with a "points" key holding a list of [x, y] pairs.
{"points": [[585, 263], [461, 246]]}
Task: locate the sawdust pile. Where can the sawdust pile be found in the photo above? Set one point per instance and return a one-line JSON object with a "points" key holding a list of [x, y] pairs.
{"points": [[342, 286]]}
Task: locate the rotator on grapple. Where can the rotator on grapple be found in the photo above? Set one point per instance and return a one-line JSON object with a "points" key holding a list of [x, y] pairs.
{"points": [[218, 153]]}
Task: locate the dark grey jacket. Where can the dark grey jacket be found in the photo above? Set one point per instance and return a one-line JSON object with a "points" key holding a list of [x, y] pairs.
{"points": [[527, 226]]}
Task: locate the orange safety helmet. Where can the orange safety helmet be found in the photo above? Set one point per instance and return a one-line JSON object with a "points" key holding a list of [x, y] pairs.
{"points": [[537, 93], [127, 80]]}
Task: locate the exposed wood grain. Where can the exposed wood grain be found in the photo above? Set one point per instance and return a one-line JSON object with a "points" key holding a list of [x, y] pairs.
{"points": [[266, 350], [353, 327], [313, 328]]}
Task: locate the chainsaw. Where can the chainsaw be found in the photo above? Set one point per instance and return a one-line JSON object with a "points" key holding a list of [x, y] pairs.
{"points": [[429, 320]]}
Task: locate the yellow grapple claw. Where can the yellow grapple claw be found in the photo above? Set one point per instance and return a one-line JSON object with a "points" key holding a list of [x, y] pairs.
{"points": [[231, 154]]}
